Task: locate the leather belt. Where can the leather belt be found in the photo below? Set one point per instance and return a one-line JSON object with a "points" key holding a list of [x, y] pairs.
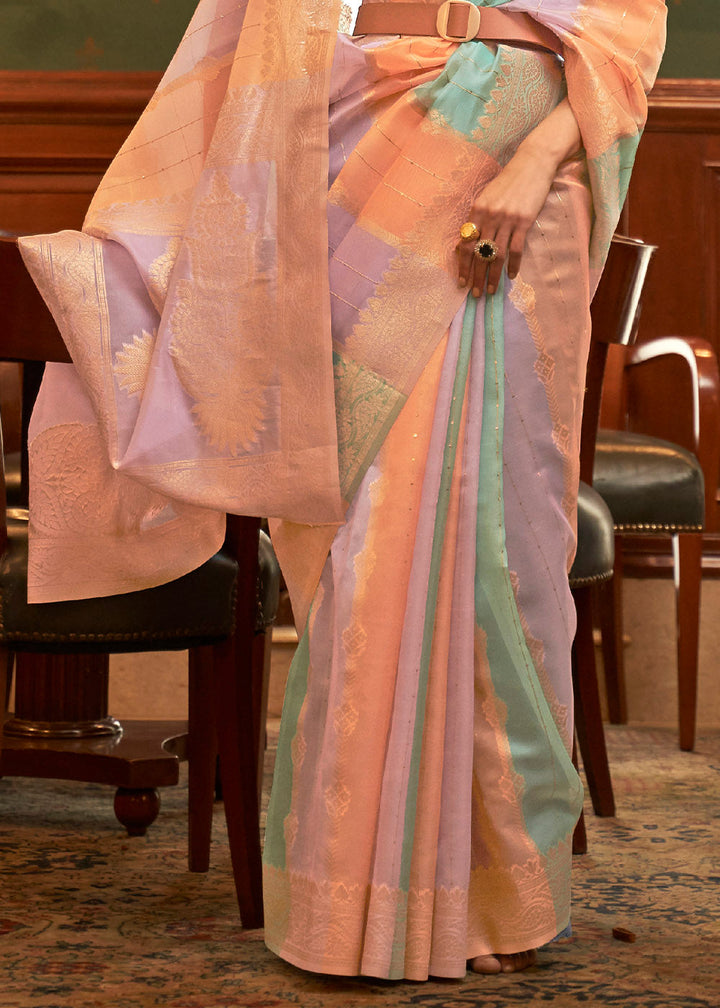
{"points": [[455, 21]]}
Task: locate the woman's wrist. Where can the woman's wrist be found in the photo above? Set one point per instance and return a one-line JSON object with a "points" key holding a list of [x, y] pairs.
{"points": [[555, 139]]}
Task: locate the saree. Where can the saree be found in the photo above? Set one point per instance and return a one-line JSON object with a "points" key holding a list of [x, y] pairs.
{"points": [[264, 317]]}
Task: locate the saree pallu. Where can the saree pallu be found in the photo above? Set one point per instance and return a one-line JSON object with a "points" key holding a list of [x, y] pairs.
{"points": [[242, 342]]}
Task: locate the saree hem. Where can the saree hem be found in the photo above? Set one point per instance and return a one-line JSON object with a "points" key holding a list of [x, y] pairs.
{"points": [[447, 970]]}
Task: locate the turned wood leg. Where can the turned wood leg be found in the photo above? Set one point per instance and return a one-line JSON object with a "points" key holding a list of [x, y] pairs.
{"points": [[137, 808]]}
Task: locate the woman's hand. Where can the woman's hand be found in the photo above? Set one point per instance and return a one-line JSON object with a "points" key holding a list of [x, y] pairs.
{"points": [[508, 206]]}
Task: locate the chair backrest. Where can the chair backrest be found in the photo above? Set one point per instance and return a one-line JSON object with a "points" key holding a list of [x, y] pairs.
{"points": [[615, 313]]}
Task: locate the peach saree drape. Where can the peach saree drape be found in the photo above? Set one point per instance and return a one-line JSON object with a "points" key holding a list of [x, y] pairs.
{"points": [[416, 449], [195, 388]]}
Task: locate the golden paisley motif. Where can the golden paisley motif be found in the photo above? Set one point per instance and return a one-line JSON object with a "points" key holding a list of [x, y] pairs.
{"points": [[133, 361], [159, 273], [228, 383]]}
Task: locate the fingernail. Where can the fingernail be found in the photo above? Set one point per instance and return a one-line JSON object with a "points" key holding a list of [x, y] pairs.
{"points": [[491, 289], [462, 282], [476, 292]]}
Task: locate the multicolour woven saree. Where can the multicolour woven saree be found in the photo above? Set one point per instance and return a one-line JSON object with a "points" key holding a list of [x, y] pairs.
{"points": [[263, 321]]}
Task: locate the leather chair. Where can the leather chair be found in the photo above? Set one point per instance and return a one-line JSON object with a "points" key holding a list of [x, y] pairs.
{"points": [[219, 613], [659, 477]]}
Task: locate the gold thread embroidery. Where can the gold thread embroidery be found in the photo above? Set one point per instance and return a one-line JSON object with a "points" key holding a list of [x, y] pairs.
{"points": [[133, 361]]}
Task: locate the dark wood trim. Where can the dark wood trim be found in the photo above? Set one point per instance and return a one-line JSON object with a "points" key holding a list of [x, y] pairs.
{"points": [[74, 97], [84, 96], [684, 106], [58, 134], [52, 164]]}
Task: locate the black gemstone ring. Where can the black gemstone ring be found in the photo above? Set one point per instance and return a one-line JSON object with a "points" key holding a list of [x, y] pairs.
{"points": [[486, 250]]}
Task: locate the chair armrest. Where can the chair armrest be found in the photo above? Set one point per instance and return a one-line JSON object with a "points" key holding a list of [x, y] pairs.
{"points": [[673, 392]]}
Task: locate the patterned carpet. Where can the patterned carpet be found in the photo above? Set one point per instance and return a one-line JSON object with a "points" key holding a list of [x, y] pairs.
{"points": [[89, 917]]}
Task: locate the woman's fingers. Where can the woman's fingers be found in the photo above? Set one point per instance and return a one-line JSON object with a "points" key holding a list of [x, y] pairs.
{"points": [[503, 213], [482, 251], [477, 253], [495, 266], [516, 247], [488, 258], [481, 260], [465, 249]]}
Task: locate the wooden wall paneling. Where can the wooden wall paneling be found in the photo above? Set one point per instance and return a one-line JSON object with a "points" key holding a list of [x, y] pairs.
{"points": [[58, 134], [666, 209], [674, 202], [670, 204]]}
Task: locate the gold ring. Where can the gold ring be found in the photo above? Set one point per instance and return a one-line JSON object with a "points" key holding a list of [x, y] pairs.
{"points": [[469, 231], [487, 250]]}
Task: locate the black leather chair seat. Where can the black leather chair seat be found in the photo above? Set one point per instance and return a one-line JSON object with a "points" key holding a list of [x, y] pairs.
{"points": [[595, 555], [191, 611], [648, 484]]}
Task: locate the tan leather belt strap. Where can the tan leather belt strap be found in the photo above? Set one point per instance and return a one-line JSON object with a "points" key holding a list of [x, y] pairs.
{"points": [[454, 20]]}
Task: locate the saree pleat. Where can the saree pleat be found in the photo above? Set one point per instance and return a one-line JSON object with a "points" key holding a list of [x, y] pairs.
{"points": [[442, 802]]}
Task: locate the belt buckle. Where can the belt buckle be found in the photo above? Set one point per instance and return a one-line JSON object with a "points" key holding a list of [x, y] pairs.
{"points": [[473, 20]]}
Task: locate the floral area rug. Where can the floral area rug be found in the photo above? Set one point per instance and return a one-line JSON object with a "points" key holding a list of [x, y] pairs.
{"points": [[90, 917]]}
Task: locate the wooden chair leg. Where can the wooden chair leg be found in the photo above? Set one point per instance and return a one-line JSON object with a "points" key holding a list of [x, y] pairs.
{"points": [[687, 552], [238, 769], [202, 756], [262, 655], [579, 840], [227, 705], [237, 718], [608, 596], [588, 714]]}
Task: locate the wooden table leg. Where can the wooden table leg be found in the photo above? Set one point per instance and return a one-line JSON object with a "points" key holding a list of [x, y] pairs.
{"points": [[61, 730]]}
